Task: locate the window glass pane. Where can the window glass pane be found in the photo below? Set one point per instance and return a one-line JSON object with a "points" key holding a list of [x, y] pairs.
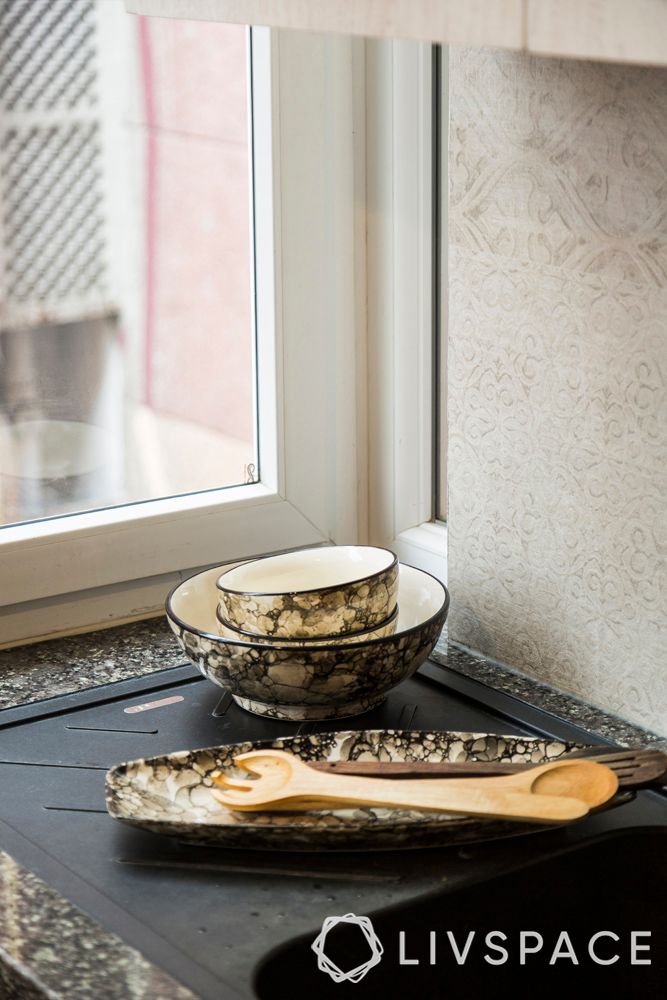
{"points": [[126, 341], [441, 99]]}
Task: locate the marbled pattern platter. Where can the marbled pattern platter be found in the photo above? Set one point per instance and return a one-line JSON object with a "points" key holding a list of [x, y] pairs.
{"points": [[171, 794]]}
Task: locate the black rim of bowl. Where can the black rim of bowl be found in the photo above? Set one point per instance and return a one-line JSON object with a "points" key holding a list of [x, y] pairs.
{"points": [[308, 590]]}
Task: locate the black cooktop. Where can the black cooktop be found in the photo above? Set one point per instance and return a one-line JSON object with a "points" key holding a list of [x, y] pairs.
{"points": [[210, 916]]}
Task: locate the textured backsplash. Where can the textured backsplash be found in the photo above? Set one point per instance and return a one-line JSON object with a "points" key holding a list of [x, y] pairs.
{"points": [[557, 367]]}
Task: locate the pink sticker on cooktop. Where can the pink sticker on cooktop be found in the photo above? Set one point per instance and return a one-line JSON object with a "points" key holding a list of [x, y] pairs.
{"points": [[154, 704]]}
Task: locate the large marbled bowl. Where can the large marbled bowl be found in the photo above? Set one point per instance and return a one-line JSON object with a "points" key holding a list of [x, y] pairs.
{"points": [[313, 682], [171, 794], [310, 593]]}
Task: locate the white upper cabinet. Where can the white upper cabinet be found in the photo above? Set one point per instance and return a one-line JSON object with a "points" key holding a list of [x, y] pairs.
{"points": [[455, 22], [633, 31]]}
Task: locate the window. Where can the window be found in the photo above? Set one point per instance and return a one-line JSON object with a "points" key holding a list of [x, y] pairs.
{"points": [[125, 177], [440, 288], [343, 320]]}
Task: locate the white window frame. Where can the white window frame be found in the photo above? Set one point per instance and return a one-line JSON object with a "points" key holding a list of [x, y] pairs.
{"points": [[400, 303], [344, 354]]}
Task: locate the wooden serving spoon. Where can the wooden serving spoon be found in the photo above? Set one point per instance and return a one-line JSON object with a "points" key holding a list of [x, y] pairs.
{"points": [[551, 793]]}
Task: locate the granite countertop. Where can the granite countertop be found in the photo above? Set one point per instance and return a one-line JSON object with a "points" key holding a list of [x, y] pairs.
{"points": [[50, 948], [61, 666]]}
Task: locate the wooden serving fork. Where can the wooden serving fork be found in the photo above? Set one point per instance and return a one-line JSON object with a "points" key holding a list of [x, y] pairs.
{"points": [[551, 793]]}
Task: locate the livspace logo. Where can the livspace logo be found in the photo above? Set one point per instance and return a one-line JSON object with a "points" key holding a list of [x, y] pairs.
{"points": [[326, 964], [495, 948]]}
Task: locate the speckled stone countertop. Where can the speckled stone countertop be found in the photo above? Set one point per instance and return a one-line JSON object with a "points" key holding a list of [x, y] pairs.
{"points": [[50, 948], [60, 666]]}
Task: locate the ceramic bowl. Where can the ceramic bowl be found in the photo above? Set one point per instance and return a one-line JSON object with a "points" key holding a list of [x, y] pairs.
{"points": [[387, 628], [329, 681], [311, 593]]}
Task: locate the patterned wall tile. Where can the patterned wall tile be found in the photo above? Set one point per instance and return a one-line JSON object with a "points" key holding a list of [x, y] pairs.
{"points": [[561, 163], [557, 370]]}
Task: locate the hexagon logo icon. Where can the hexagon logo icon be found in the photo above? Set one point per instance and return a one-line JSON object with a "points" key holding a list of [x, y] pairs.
{"points": [[325, 964]]}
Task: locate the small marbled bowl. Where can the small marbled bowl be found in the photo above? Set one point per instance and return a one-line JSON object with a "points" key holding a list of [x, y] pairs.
{"points": [[387, 628], [310, 593], [312, 681]]}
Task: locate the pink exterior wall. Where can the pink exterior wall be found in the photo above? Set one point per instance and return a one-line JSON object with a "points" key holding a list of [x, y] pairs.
{"points": [[198, 304]]}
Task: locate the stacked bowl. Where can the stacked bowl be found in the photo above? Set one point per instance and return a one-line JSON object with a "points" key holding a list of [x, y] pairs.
{"points": [[319, 633]]}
